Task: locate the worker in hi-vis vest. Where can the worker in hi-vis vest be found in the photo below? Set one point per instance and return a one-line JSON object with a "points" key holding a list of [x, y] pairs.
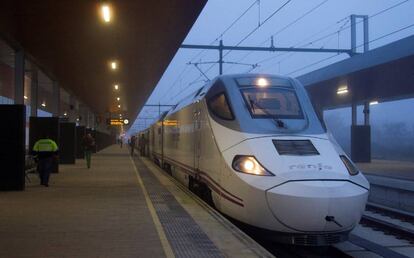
{"points": [[46, 150]]}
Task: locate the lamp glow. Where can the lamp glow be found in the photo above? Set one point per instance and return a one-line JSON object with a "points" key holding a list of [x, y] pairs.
{"points": [[25, 97], [114, 65], [342, 90], [118, 98], [262, 82], [65, 114], [248, 165], [373, 103], [43, 104], [116, 86], [106, 13], [119, 106]]}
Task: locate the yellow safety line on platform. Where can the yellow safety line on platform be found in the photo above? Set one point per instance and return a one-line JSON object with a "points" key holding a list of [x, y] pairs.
{"points": [[163, 238]]}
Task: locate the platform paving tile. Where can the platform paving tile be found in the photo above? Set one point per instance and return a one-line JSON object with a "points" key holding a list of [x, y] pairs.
{"points": [[184, 234], [99, 212]]}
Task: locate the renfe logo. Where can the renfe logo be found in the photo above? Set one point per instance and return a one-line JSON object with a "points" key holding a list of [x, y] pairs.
{"points": [[318, 166]]}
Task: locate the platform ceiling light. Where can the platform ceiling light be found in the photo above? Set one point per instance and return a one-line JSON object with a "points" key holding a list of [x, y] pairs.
{"points": [[262, 82], [114, 65], [373, 102], [116, 87], [25, 97], [106, 13], [342, 90], [118, 98], [43, 104], [65, 114], [119, 106]]}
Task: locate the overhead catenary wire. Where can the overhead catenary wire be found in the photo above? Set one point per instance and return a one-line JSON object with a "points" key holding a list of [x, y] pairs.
{"points": [[342, 28], [261, 24], [373, 40], [285, 28], [250, 33], [212, 42]]}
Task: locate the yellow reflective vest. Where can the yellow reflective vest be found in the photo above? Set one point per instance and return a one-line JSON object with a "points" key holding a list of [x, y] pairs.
{"points": [[45, 145]]}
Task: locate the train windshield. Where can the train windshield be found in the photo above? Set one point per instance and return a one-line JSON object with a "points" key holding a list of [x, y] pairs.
{"points": [[272, 102]]}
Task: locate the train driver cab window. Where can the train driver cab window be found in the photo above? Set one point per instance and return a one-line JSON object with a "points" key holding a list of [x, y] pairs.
{"points": [[272, 103], [219, 106]]}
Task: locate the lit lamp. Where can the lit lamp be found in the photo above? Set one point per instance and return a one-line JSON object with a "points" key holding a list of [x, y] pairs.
{"points": [[342, 90], [106, 13], [114, 65], [262, 82]]}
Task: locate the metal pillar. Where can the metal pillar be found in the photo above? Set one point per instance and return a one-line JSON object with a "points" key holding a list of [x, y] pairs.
{"points": [[73, 107], [19, 66], [34, 93], [354, 113], [56, 99], [353, 34], [220, 57], [366, 113], [366, 33]]}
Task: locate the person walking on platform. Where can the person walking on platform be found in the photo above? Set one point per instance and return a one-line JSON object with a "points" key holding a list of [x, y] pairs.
{"points": [[121, 141], [88, 145], [46, 151], [132, 144]]}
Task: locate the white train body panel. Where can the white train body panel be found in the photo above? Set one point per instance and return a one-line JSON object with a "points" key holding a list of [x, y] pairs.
{"points": [[299, 193]]}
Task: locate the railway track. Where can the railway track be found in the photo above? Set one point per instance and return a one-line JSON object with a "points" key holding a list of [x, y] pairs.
{"points": [[383, 231], [399, 224]]}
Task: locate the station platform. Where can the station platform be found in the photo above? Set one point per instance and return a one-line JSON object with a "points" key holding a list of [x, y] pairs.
{"points": [[389, 168], [121, 207]]}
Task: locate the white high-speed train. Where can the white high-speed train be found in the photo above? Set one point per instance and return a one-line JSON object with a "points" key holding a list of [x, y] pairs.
{"points": [[254, 146]]}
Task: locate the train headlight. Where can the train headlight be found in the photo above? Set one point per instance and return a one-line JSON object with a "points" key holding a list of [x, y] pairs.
{"points": [[249, 165], [352, 169]]}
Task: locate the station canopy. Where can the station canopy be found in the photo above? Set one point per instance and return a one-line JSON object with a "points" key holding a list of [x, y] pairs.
{"points": [[382, 74], [69, 40]]}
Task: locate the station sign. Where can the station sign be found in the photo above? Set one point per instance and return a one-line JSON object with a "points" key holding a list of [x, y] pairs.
{"points": [[118, 122]]}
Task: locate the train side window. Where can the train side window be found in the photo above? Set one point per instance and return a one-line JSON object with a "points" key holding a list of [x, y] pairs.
{"points": [[219, 105]]}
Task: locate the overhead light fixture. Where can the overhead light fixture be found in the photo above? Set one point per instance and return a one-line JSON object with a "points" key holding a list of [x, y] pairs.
{"points": [[116, 87], [373, 102], [114, 65], [119, 106], [106, 13], [65, 114], [43, 104], [342, 90], [25, 97], [118, 98]]}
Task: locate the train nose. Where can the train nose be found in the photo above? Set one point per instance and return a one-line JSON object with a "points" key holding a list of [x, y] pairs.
{"points": [[312, 206]]}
